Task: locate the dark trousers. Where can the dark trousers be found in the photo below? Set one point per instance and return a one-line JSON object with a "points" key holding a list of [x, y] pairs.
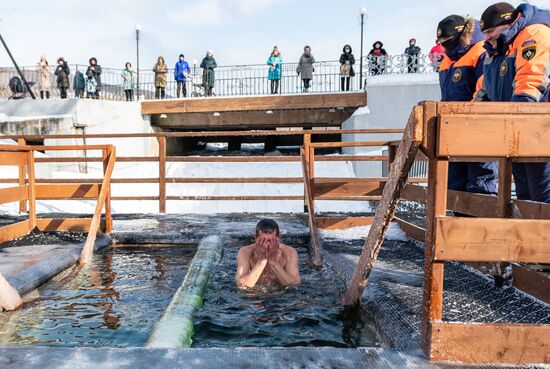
{"points": [[473, 177], [532, 181], [207, 90], [129, 95], [79, 93], [181, 88], [306, 83], [47, 94], [275, 86], [63, 92], [344, 83], [160, 93]]}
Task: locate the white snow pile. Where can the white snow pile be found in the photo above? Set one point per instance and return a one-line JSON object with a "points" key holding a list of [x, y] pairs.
{"points": [[394, 233], [403, 79]]}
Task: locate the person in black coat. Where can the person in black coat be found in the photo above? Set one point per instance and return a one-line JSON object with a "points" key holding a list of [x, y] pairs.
{"points": [[347, 60], [377, 59], [413, 54], [94, 70], [62, 73]]}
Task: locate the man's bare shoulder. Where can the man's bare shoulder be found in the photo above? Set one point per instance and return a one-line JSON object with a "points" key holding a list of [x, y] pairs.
{"points": [[288, 250], [246, 250]]}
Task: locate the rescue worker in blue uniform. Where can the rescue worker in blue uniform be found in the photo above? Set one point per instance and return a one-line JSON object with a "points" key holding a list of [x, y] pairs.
{"points": [[459, 73], [517, 69]]}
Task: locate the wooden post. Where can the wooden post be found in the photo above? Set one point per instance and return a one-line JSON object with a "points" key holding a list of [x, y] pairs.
{"points": [[108, 215], [504, 188], [162, 174], [307, 142], [432, 307], [392, 150], [311, 171], [406, 153], [22, 177], [32, 192]]}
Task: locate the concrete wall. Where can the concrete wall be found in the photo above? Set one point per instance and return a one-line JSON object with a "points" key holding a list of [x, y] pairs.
{"points": [[390, 101]]}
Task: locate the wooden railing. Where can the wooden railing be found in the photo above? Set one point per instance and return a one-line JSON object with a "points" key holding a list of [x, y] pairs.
{"points": [[163, 159]]}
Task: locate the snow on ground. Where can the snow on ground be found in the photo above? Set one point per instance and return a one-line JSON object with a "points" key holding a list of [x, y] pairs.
{"points": [[394, 233], [402, 79]]}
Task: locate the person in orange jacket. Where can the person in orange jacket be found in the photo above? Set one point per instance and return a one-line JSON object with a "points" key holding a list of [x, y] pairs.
{"points": [[459, 72], [517, 69]]}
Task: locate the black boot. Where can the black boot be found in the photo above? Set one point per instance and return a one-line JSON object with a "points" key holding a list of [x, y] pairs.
{"points": [[42, 94], [47, 94]]}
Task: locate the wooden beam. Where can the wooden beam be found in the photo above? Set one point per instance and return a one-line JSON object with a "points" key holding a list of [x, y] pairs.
{"points": [[397, 178], [13, 231], [517, 344], [218, 198], [412, 231], [11, 194], [531, 209], [254, 119], [306, 171], [353, 187], [13, 157], [67, 191], [319, 145], [471, 239], [107, 226], [22, 178], [531, 282], [333, 223], [162, 174], [474, 204], [415, 193], [272, 102], [32, 189], [496, 135], [65, 224], [492, 108]]}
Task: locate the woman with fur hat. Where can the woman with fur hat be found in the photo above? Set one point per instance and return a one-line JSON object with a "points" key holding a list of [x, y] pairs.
{"points": [[95, 70], [161, 80], [377, 59], [62, 72], [44, 77], [347, 60]]}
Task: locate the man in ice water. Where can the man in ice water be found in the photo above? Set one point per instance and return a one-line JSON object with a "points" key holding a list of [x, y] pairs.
{"points": [[267, 262]]}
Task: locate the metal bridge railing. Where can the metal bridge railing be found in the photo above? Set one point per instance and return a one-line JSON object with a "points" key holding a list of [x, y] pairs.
{"points": [[232, 80]]}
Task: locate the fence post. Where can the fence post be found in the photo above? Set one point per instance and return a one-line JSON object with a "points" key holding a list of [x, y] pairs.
{"points": [[432, 305], [22, 178], [107, 154], [311, 172], [307, 142], [162, 174], [32, 194], [391, 156], [504, 187]]}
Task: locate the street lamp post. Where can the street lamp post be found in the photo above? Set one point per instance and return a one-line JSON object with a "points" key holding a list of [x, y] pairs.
{"points": [[362, 12], [138, 29]]}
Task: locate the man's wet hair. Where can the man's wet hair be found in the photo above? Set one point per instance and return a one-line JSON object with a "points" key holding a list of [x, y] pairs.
{"points": [[267, 226]]}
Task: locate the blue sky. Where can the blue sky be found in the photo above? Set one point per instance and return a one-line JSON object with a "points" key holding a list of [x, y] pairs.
{"points": [[238, 31]]}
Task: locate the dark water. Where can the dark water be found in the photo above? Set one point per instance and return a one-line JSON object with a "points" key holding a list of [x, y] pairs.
{"points": [[114, 303], [306, 315]]}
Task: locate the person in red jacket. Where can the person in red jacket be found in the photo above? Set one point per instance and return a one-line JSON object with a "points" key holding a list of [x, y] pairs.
{"points": [[436, 55], [517, 69]]}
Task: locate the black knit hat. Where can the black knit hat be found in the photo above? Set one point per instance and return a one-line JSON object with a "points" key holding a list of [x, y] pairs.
{"points": [[496, 15], [451, 26]]}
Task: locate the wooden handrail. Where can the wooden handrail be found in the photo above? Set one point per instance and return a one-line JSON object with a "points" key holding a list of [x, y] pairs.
{"points": [[311, 210], [88, 249]]}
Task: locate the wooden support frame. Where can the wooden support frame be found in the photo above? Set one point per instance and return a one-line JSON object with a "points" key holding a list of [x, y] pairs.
{"points": [[306, 170]]}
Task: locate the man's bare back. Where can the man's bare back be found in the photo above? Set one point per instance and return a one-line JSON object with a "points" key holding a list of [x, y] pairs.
{"points": [[267, 263]]}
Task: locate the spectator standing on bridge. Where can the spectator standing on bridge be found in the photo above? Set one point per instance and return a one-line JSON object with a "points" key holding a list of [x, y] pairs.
{"points": [[161, 72], [347, 60], [436, 55], [516, 70], [413, 55], [62, 73], [44, 77], [128, 81], [79, 84], [181, 73], [377, 59], [208, 65], [91, 86], [460, 70], [305, 68], [95, 70], [275, 62]]}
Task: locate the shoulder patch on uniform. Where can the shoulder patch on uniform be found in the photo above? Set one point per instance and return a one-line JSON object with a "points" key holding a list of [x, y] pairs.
{"points": [[504, 68], [457, 75], [529, 53]]}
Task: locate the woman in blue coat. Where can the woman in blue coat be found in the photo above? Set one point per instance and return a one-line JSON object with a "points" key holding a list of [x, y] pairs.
{"points": [[274, 75]]}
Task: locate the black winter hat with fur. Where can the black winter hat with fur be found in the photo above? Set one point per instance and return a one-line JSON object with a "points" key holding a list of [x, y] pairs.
{"points": [[496, 15], [451, 26]]}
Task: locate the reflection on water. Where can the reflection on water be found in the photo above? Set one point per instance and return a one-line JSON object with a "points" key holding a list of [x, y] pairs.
{"points": [[306, 315], [113, 302]]}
